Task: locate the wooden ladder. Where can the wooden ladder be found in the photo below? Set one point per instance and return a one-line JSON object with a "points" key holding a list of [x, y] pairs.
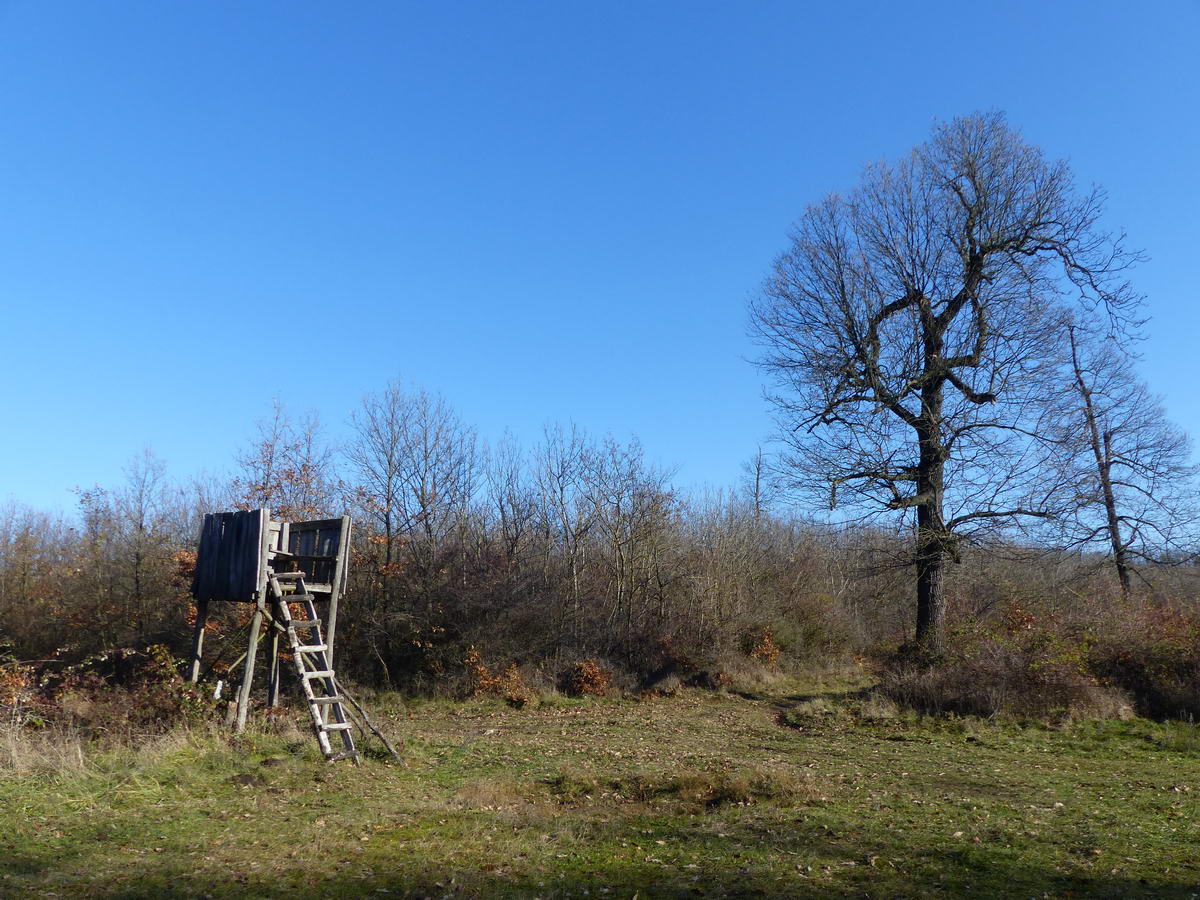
{"points": [[311, 658]]}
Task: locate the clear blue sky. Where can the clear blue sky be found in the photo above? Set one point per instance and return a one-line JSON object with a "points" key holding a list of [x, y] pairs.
{"points": [[545, 211]]}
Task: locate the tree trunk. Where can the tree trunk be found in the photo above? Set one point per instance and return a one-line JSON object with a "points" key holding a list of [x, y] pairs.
{"points": [[1102, 453], [1120, 558], [931, 558], [931, 525]]}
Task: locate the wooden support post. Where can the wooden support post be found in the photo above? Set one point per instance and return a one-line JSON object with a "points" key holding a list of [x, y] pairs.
{"points": [[198, 640], [337, 584], [273, 679], [231, 705], [243, 704], [331, 627]]}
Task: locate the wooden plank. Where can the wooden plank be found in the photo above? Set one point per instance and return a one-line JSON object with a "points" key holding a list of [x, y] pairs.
{"points": [[262, 524], [229, 563], [202, 580], [314, 544], [214, 539], [226, 534], [317, 524]]}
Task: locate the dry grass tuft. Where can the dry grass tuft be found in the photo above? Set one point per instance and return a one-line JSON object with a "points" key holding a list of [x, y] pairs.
{"points": [[57, 752], [754, 785], [751, 674], [818, 707], [877, 708], [490, 793]]}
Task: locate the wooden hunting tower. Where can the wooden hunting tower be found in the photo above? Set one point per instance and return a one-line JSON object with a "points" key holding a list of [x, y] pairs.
{"points": [[285, 569]]}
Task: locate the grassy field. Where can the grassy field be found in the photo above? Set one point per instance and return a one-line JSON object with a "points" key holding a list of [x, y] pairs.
{"points": [[800, 792]]}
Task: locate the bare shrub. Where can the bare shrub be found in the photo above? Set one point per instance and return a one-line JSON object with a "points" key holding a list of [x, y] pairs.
{"points": [[761, 646], [509, 684], [709, 680], [999, 682], [17, 692], [114, 696], [513, 689], [666, 686], [1152, 651], [588, 677], [1023, 664]]}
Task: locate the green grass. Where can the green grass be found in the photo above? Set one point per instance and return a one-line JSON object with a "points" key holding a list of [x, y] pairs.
{"points": [[697, 795]]}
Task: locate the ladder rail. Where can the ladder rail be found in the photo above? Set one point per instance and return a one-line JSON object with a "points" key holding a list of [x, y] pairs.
{"points": [[310, 658], [320, 662]]}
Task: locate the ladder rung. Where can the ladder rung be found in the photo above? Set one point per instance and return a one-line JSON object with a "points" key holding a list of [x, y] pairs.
{"points": [[288, 576], [311, 648], [336, 726], [303, 623], [323, 673], [326, 700], [296, 598]]}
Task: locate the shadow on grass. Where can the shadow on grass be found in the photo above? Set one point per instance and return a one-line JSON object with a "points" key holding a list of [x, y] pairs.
{"points": [[615, 881], [797, 858], [787, 701]]}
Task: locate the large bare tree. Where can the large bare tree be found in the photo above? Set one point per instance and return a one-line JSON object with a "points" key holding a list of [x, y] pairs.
{"points": [[912, 326]]}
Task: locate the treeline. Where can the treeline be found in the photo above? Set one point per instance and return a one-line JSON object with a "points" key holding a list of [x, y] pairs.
{"points": [[577, 548]]}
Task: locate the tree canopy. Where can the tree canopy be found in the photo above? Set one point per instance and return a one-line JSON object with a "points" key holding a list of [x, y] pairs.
{"points": [[913, 325]]}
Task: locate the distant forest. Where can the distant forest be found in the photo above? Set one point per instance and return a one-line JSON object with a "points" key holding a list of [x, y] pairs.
{"points": [[574, 549]]}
